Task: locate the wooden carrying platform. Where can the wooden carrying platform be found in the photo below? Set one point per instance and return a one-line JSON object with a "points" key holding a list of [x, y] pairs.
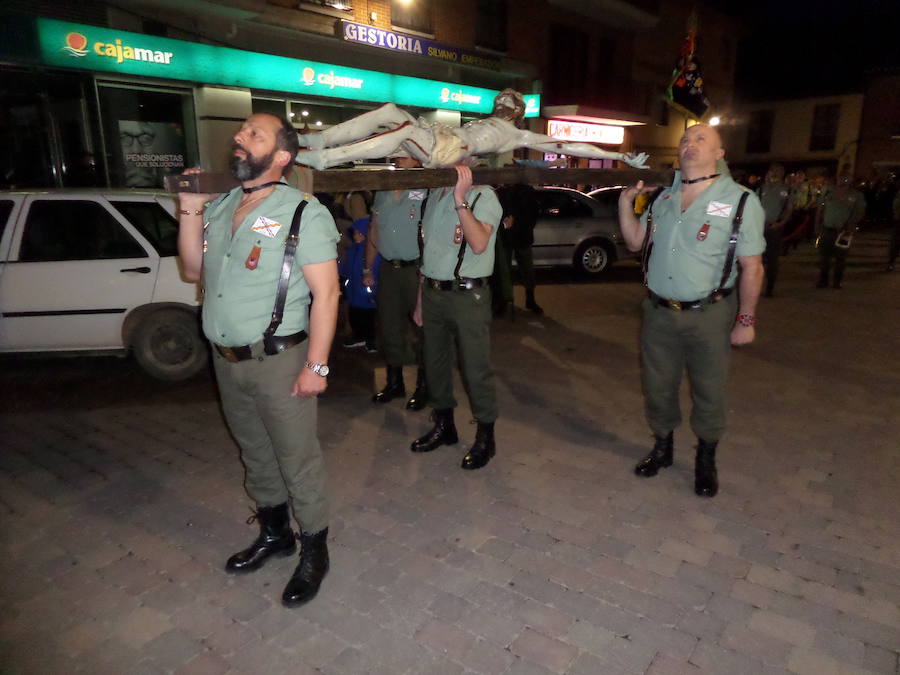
{"points": [[346, 180]]}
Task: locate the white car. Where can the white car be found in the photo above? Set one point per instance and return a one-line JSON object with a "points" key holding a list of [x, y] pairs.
{"points": [[97, 271]]}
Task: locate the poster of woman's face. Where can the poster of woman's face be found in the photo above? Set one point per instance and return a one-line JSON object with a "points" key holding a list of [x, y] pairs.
{"points": [[150, 150]]}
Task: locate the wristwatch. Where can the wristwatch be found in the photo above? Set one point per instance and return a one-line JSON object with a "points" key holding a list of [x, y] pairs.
{"points": [[464, 205], [320, 369]]}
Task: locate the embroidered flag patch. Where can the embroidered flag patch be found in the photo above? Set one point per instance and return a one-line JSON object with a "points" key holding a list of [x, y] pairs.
{"points": [[266, 227], [719, 209], [417, 195]]}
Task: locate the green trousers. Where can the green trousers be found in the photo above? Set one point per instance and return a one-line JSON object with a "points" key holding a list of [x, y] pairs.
{"points": [[828, 251], [398, 289], [276, 433], [699, 341], [463, 319]]}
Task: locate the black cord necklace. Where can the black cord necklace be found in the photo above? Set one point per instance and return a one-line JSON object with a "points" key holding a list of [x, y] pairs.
{"points": [[699, 180], [247, 191]]}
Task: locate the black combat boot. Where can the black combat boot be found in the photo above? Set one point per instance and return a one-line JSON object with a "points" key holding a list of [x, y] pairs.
{"points": [[312, 568], [660, 456], [275, 538], [838, 277], [706, 478], [420, 395], [443, 432], [394, 386], [482, 449], [531, 303]]}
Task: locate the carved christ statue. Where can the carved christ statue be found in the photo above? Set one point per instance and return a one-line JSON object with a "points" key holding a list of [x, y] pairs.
{"points": [[388, 129]]}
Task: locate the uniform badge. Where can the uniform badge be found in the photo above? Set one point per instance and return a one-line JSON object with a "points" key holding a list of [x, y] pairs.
{"points": [[252, 261], [417, 195], [458, 234], [266, 226], [719, 209], [703, 232]]}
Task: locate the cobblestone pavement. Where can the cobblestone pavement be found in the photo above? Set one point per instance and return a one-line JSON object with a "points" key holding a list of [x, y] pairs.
{"points": [[120, 500]]}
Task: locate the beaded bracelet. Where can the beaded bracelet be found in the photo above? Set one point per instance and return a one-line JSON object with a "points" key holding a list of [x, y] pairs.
{"points": [[746, 320]]}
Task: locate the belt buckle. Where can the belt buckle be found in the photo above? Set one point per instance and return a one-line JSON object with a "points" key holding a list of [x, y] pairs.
{"points": [[228, 353], [435, 284], [396, 264], [466, 284], [675, 304]]}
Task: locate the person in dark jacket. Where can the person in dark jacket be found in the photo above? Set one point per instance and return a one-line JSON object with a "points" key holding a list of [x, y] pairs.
{"points": [[520, 212]]}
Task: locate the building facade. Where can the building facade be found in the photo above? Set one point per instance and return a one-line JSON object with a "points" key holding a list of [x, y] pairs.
{"points": [[820, 134], [120, 93]]}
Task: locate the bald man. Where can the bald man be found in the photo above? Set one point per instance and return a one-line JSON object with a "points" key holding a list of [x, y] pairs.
{"points": [[697, 305]]}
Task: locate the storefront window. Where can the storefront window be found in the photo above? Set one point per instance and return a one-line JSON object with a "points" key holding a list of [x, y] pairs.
{"points": [[44, 132], [149, 133], [269, 105]]}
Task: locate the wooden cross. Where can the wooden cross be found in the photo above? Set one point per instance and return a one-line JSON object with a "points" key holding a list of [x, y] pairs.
{"points": [[340, 180]]}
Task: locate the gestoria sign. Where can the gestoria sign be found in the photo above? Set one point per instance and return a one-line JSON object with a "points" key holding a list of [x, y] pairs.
{"points": [[101, 49]]}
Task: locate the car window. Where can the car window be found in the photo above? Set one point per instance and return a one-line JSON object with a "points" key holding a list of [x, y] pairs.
{"points": [[154, 222], [609, 198], [6, 207], [70, 229], [558, 204]]}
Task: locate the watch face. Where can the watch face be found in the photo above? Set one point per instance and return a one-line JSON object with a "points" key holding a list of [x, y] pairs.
{"points": [[324, 370]]}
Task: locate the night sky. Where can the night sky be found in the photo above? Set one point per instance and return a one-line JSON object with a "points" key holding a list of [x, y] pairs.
{"points": [[796, 48]]}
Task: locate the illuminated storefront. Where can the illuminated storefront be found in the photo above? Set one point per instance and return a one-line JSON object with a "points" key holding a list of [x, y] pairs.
{"points": [[124, 109], [591, 125]]}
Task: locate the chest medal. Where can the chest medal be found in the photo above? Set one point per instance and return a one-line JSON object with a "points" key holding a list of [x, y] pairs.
{"points": [[703, 232], [252, 261]]}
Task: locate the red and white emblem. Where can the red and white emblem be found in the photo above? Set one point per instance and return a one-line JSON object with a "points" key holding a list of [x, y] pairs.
{"points": [[703, 232]]}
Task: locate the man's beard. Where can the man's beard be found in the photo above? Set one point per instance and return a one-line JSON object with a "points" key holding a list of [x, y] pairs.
{"points": [[249, 167]]}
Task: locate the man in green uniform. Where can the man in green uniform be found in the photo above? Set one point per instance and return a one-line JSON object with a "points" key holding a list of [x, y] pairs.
{"points": [[460, 227], [394, 233], [839, 213], [689, 314], [776, 202], [269, 384]]}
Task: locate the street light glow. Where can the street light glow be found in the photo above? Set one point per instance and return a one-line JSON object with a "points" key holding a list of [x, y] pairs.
{"points": [[714, 121]]}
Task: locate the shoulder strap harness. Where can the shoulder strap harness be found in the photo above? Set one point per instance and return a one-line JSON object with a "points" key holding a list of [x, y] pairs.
{"points": [[290, 250]]}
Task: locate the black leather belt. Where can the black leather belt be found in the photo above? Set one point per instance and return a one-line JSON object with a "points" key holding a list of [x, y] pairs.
{"points": [[688, 305], [397, 264], [245, 352], [461, 284]]}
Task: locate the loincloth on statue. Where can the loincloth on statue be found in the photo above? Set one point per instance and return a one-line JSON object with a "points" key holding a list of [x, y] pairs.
{"points": [[448, 147]]}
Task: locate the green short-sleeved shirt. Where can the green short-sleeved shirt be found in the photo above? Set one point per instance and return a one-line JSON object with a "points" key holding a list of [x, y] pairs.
{"points": [[439, 228], [689, 248], [774, 198], [838, 212], [240, 273], [397, 215]]}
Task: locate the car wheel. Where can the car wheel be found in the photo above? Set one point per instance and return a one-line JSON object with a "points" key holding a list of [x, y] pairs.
{"points": [[593, 258], [169, 346]]}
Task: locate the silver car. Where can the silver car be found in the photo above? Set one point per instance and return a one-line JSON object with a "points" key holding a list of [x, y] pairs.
{"points": [[578, 230]]}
